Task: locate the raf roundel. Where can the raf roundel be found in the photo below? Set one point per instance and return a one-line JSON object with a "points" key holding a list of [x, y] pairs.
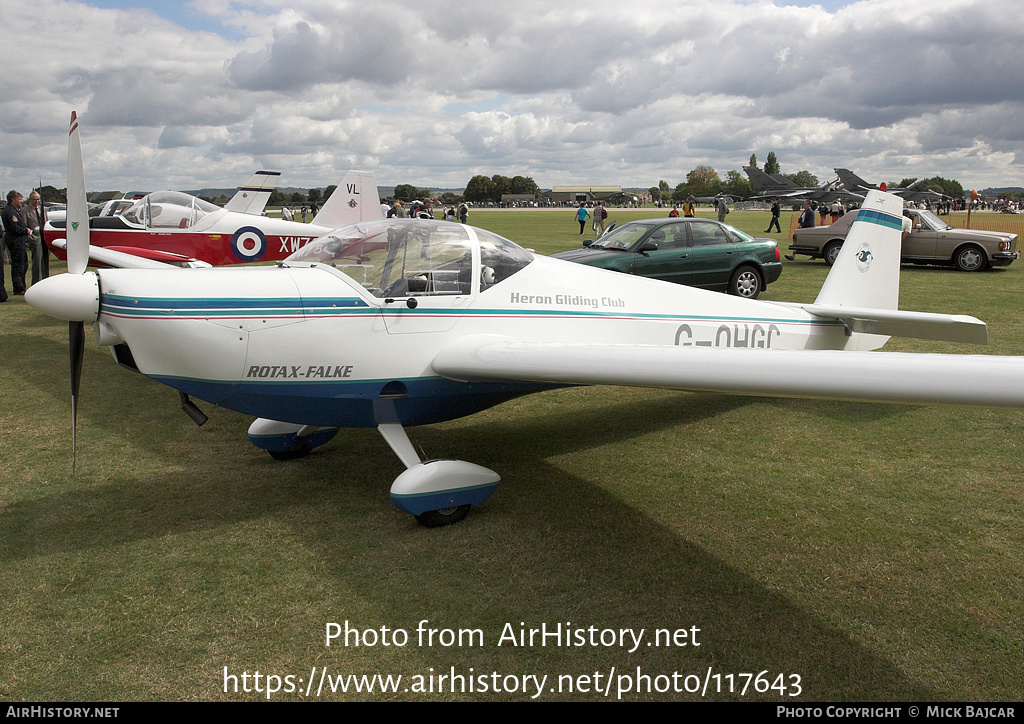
{"points": [[249, 243]]}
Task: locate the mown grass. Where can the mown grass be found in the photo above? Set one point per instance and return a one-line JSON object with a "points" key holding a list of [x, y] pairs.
{"points": [[874, 550]]}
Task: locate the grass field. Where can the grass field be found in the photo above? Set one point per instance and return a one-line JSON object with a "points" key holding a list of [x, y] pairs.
{"points": [[873, 551]]}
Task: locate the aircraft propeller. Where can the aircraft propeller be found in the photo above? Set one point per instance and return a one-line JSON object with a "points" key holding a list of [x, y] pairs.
{"points": [[77, 261], [73, 296]]}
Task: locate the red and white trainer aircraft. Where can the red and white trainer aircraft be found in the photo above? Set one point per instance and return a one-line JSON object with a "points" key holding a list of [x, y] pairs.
{"points": [[178, 228], [389, 323]]}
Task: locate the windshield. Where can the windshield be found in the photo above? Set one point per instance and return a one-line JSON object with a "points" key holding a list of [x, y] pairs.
{"points": [[169, 209], [623, 237], [933, 222], [411, 257]]}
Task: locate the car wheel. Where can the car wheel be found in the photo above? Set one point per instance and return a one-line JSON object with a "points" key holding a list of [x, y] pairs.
{"points": [[970, 258], [746, 282], [832, 250]]}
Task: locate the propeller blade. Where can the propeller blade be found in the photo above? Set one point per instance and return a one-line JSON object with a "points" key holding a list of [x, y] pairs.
{"points": [[76, 346], [78, 207]]}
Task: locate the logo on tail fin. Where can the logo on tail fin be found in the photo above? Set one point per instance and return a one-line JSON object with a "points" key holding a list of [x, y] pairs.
{"points": [[864, 257]]}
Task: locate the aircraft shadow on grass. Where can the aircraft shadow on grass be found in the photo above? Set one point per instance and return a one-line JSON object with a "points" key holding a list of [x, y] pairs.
{"points": [[662, 578]]}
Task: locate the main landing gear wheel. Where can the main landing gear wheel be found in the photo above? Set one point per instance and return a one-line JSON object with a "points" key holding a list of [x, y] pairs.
{"points": [[300, 452], [970, 258], [444, 516], [746, 283]]}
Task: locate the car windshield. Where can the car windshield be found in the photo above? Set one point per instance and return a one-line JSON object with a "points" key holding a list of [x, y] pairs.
{"points": [[932, 221], [623, 237]]}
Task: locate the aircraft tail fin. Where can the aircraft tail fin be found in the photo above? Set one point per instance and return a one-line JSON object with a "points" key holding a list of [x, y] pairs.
{"points": [[851, 181], [354, 200], [758, 178], [252, 198], [867, 272]]}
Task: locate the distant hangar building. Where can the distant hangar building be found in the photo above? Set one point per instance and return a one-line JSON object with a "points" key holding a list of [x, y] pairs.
{"points": [[608, 194], [582, 194]]}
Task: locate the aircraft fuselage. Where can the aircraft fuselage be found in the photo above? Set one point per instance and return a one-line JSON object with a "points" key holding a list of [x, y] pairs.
{"points": [[309, 345]]}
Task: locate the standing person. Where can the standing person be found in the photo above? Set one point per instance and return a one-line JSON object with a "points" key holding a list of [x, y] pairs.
{"points": [[600, 214], [304, 212], [688, 208], [674, 213], [723, 208], [16, 240], [463, 212], [286, 213], [775, 218], [34, 215], [3, 289], [581, 216], [806, 222], [834, 210]]}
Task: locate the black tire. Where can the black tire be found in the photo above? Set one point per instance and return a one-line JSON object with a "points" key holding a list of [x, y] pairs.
{"points": [[444, 516], [300, 452], [831, 252], [970, 258], [746, 282]]}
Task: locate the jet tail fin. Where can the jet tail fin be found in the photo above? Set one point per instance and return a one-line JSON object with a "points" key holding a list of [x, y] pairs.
{"points": [[354, 200], [252, 198], [851, 181]]}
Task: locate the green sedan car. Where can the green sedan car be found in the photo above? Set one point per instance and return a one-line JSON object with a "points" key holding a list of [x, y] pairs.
{"points": [[695, 252]]}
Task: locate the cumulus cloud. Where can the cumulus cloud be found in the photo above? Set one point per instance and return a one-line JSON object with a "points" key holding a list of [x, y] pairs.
{"points": [[433, 93]]}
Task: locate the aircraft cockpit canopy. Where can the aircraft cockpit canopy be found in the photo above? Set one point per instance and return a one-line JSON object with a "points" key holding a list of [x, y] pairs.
{"points": [[411, 257], [169, 209]]}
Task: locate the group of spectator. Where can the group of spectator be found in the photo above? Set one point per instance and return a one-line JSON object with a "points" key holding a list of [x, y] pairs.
{"points": [[289, 214], [423, 210], [22, 237]]}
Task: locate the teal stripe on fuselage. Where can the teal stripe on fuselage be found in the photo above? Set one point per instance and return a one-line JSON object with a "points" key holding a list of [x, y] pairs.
{"points": [[257, 308], [190, 307]]}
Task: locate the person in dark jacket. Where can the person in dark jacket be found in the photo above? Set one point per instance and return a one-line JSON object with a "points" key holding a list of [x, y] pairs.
{"points": [[16, 240], [806, 222], [775, 218]]}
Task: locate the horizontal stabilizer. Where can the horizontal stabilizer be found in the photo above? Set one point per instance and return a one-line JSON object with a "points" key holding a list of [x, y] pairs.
{"points": [[894, 323], [830, 374]]}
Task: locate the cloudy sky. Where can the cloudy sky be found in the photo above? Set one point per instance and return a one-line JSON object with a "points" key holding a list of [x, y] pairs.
{"points": [[203, 93]]}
